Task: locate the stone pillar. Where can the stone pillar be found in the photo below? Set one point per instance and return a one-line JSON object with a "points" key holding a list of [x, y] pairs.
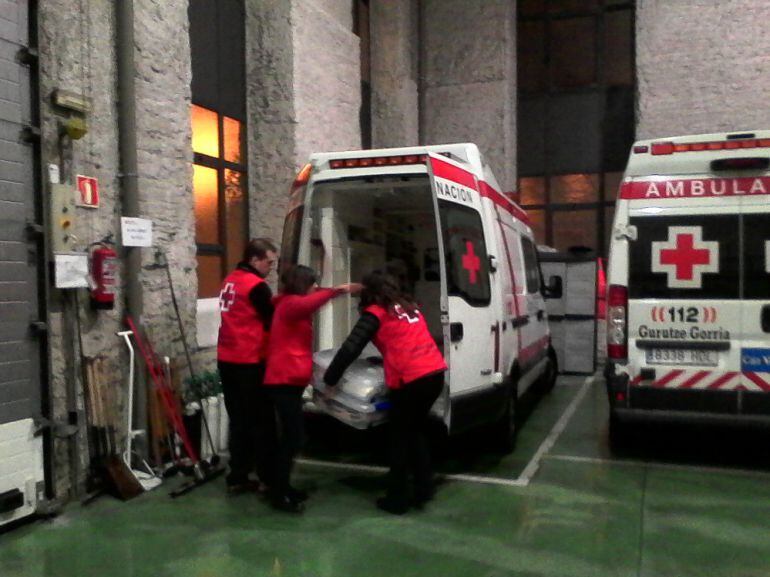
{"points": [[394, 71], [702, 66], [469, 78], [164, 143], [327, 77], [270, 110], [303, 96]]}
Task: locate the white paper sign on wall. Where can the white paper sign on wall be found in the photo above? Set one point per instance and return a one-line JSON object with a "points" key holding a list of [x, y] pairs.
{"points": [[136, 231], [71, 270]]}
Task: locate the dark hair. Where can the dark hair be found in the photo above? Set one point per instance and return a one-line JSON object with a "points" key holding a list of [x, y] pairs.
{"points": [[258, 247], [382, 289], [297, 280]]}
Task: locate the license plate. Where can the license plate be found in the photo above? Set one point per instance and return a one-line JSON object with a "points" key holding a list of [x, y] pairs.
{"points": [[682, 357]]}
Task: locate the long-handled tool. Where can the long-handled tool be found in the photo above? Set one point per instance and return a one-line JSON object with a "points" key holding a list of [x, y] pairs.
{"points": [[146, 477], [203, 472], [164, 264]]}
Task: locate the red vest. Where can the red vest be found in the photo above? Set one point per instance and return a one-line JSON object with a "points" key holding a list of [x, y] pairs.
{"points": [[242, 337], [290, 352], [408, 350]]}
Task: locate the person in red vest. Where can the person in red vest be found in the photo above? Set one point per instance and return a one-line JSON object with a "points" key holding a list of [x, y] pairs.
{"points": [[414, 373], [246, 308], [289, 370]]}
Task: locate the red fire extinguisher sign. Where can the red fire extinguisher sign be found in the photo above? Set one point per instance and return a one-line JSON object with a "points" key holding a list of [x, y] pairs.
{"points": [[88, 191]]}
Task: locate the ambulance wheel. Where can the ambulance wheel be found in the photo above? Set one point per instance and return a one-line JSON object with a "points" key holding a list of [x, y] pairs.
{"points": [[507, 428], [548, 378]]}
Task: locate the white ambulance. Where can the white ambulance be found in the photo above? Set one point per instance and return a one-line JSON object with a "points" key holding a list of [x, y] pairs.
{"points": [[436, 218], [688, 323]]}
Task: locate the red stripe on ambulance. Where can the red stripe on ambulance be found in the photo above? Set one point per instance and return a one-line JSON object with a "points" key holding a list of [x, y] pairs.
{"points": [[757, 380], [712, 380], [667, 378], [463, 177], [694, 188], [700, 375], [454, 173]]}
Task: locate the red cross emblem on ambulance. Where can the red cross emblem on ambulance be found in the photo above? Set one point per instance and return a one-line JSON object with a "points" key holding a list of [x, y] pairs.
{"points": [[227, 297], [471, 262], [685, 257]]}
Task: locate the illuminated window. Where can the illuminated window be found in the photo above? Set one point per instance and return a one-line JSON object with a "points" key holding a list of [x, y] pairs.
{"points": [[218, 116], [219, 188]]}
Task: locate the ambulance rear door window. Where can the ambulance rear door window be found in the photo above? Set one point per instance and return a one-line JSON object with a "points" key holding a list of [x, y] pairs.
{"points": [[467, 264], [685, 257], [756, 254]]}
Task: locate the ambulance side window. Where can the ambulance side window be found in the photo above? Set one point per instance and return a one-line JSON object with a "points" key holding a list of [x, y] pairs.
{"points": [[465, 252], [531, 268]]}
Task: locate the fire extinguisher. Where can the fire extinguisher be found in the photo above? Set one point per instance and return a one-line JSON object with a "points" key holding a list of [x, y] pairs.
{"points": [[104, 265]]}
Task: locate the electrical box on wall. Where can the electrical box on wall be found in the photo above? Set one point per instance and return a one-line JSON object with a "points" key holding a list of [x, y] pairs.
{"points": [[62, 218]]}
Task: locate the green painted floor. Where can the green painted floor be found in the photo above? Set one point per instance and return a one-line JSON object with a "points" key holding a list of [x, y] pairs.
{"points": [[693, 512]]}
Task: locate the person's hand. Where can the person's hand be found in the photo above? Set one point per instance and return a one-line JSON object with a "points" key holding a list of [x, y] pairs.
{"points": [[350, 288]]}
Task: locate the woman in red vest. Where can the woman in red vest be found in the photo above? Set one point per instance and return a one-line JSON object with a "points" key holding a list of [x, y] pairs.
{"points": [[289, 370], [414, 373]]}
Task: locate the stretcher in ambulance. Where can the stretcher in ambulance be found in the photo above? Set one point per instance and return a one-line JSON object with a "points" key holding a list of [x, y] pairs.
{"points": [[435, 218], [688, 305]]}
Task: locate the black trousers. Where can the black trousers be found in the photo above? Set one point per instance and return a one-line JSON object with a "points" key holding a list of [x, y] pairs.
{"points": [[252, 422], [409, 448], [287, 403]]}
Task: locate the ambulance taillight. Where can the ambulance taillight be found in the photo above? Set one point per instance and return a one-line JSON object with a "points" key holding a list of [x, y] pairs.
{"points": [[617, 323]]}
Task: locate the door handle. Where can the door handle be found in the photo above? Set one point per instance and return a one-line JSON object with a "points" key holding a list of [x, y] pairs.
{"points": [[540, 314], [766, 318], [456, 332]]}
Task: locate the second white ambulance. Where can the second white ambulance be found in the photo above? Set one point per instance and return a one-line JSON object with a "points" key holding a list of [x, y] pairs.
{"points": [[435, 217], [689, 282]]}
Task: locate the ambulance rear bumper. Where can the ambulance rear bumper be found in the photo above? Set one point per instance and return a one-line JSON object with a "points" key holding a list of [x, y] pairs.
{"points": [[627, 415], [658, 404]]}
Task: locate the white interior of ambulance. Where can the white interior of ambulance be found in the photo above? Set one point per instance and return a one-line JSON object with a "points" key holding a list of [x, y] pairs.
{"points": [[379, 223]]}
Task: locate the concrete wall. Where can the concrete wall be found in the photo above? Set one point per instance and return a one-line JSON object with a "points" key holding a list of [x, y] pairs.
{"points": [[394, 73], [468, 88], [702, 66]]}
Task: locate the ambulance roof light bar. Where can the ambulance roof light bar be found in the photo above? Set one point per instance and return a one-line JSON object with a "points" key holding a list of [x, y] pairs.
{"points": [[368, 161], [665, 148]]}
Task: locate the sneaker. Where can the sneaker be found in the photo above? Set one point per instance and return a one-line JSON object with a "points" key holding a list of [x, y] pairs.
{"points": [[393, 506]]}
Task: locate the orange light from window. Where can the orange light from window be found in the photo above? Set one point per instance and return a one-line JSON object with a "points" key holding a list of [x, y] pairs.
{"points": [[232, 139], [206, 204], [205, 133]]}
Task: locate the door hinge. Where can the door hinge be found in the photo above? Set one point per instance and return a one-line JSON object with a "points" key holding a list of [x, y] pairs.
{"points": [[27, 56], [34, 230], [30, 134]]}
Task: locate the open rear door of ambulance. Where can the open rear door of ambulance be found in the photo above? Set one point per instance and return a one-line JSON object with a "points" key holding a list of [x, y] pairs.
{"points": [[466, 313]]}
